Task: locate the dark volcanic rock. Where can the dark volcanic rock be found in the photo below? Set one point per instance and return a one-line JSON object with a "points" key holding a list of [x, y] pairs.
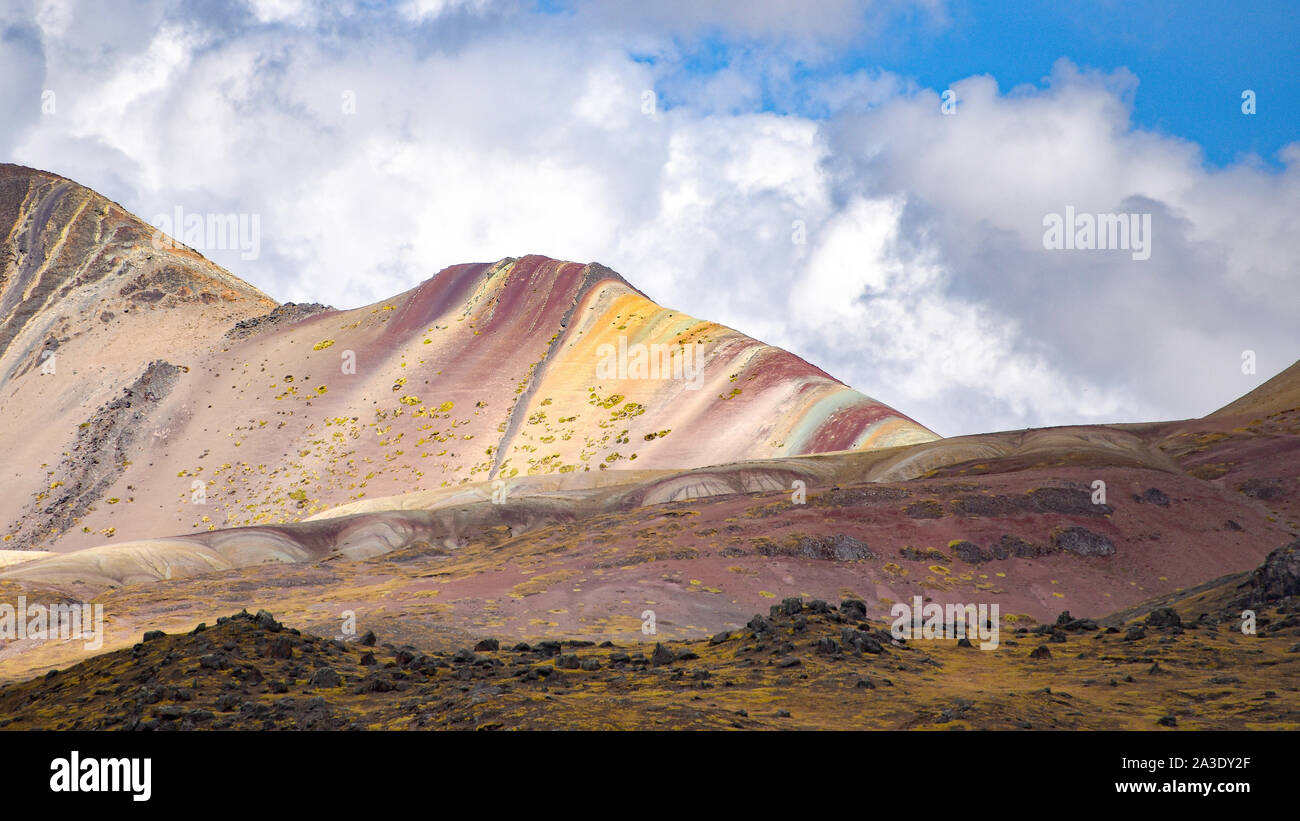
{"points": [[1265, 490], [1067, 622], [840, 548], [1009, 546], [1156, 496], [284, 314], [326, 677], [1276, 579], [860, 641], [990, 505], [280, 648], [548, 647], [227, 702], [1163, 617], [661, 655], [1082, 541], [214, 661], [827, 645], [1072, 501], [853, 609], [98, 456], [969, 552], [925, 509]]}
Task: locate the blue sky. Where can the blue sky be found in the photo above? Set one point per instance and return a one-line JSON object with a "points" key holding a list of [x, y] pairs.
{"points": [[1191, 60]]}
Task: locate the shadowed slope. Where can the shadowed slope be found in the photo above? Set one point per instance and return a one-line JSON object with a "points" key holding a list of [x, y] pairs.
{"points": [[90, 315]]}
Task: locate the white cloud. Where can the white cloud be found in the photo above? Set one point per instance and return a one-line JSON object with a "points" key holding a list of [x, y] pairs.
{"points": [[421, 10], [923, 282]]}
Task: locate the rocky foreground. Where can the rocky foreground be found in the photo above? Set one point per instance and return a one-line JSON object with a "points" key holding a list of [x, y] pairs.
{"points": [[1182, 662]]}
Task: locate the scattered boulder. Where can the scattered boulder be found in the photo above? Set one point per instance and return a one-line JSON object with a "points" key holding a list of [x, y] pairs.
{"points": [[228, 702], [1163, 617], [267, 622], [853, 609], [1279, 576], [280, 648], [1156, 496], [214, 661], [326, 677], [860, 641]]}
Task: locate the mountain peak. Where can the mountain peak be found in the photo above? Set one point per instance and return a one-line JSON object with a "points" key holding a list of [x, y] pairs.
{"points": [[73, 262], [114, 351]]}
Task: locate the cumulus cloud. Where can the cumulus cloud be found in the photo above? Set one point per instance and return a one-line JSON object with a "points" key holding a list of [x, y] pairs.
{"points": [[1105, 335], [896, 247]]}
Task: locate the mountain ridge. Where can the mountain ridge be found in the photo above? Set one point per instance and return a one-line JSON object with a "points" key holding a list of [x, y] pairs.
{"points": [[492, 370]]}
